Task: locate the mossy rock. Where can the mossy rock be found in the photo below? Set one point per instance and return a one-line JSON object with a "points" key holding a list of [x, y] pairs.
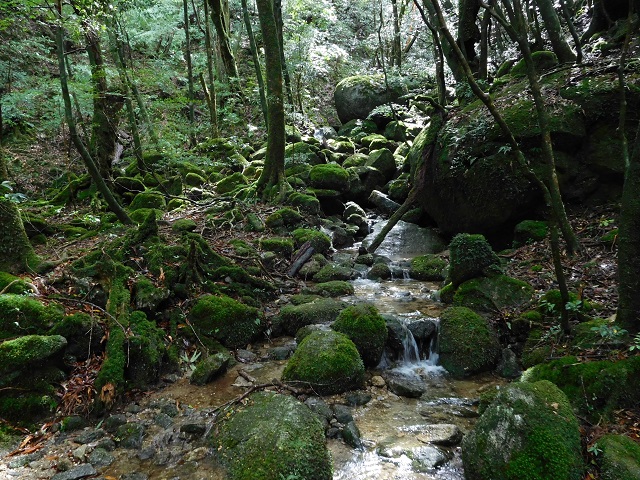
{"points": [[384, 161], [184, 225], [326, 361], [550, 302], [294, 317], [12, 284], [230, 322], [123, 185], [333, 272], [231, 182], [355, 160], [281, 245], [396, 130], [20, 315], [320, 241], [273, 437], [468, 345], [428, 267], [306, 203], [194, 180], [470, 256], [329, 176], [145, 350], [28, 352], [367, 330], [357, 128], [285, 217], [83, 333], [596, 389], [399, 188], [537, 348], [529, 231], [380, 141], [148, 200], [148, 296], [446, 293], [141, 214], [379, 271], [529, 431], [301, 153], [342, 146], [489, 295], [335, 288], [210, 368], [619, 459], [543, 60], [586, 335]]}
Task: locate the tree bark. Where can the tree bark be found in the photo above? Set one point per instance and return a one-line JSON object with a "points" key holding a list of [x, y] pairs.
{"points": [[456, 67], [277, 13], [468, 32], [256, 60], [396, 49], [273, 172], [210, 92], [554, 29], [187, 56], [221, 24]]}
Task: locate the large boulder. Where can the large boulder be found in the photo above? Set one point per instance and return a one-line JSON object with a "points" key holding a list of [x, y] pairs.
{"points": [[471, 256], [326, 361], [366, 328], [468, 344], [619, 459], [294, 317], [490, 295], [528, 431], [355, 97], [273, 437]]}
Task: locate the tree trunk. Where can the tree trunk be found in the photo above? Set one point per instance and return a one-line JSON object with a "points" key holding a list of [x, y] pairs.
{"points": [[256, 60], [221, 24], [456, 67], [105, 107], [468, 32], [554, 29], [211, 91], [273, 173], [187, 56], [277, 13], [396, 49], [73, 131]]}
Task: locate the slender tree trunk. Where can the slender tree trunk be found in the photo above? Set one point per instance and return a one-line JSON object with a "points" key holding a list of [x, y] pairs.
{"points": [[277, 12], [273, 173], [221, 23], [566, 13], [468, 32], [396, 49], [210, 92], [554, 29], [187, 56], [483, 70], [256, 59], [82, 149], [438, 55], [457, 69]]}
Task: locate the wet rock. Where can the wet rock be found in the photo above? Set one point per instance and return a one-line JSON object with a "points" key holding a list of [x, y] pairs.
{"points": [[134, 476], [80, 452], [378, 381], [319, 406], [90, 436], [209, 369], [130, 435], [146, 453], [163, 420], [74, 422], [245, 356], [441, 434], [280, 353], [358, 398], [508, 366], [106, 444], [193, 428], [333, 432], [383, 202], [81, 471], [342, 413], [101, 458], [112, 423], [351, 435], [404, 386], [196, 455], [426, 458], [422, 329]]}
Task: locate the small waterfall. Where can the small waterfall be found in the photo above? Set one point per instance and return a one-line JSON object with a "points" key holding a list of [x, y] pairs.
{"points": [[410, 353]]}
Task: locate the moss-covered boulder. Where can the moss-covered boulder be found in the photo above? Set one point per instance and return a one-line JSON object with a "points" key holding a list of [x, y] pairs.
{"points": [[428, 267], [320, 241], [12, 284], [467, 342], [281, 245], [329, 176], [367, 330], [84, 335], [379, 271], [231, 182], [529, 431], [294, 317], [543, 60], [230, 322], [284, 217], [489, 295], [28, 352], [145, 350], [335, 288], [210, 368], [529, 231], [326, 361], [384, 161], [355, 97], [148, 296], [619, 459], [305, 202], [148, 200], [20, 315], [470, 256], [273, 437], [16, 253], [596, 389], [333, 272]]}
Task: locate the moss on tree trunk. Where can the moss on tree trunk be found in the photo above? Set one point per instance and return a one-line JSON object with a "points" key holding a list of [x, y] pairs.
{"points": [[16, 253]]}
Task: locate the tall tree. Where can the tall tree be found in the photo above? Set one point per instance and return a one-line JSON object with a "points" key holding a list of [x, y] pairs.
{"points": [[554, 29], [273, 172], [187, 56], [256, 59], [221, 24]]}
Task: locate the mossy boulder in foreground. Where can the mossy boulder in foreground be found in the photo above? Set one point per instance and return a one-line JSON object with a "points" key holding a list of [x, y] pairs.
{"points": [[366, 329], [21, 315], [230, 322], [468, 345], [326, 361], [529, 431], [273, 437], [29, 351], [620, 458], [493, 294]]}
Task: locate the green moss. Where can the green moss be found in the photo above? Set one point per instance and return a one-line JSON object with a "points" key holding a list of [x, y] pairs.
{"points": [[551, 302], [12, 284], [112, 372], [336, 288], [148, 200], [25, 408], [146, 351], [306, 203], [326, 361], [379, 271], [285, 217], [227, 320], [320, 241], [333, 272], [543, 60], [183, 225], [529, 431], [294, 317], [273, 437], [596, 388], [29, 351], [329, 176], [367, 330], [428, 267], [281, 246], [620, 458], [139, 215], [446, 293], [384, 161], [16, 253], [529, 231], [20, 315], [470, 256], [493, 294], [231, 182], [467, 343]]}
